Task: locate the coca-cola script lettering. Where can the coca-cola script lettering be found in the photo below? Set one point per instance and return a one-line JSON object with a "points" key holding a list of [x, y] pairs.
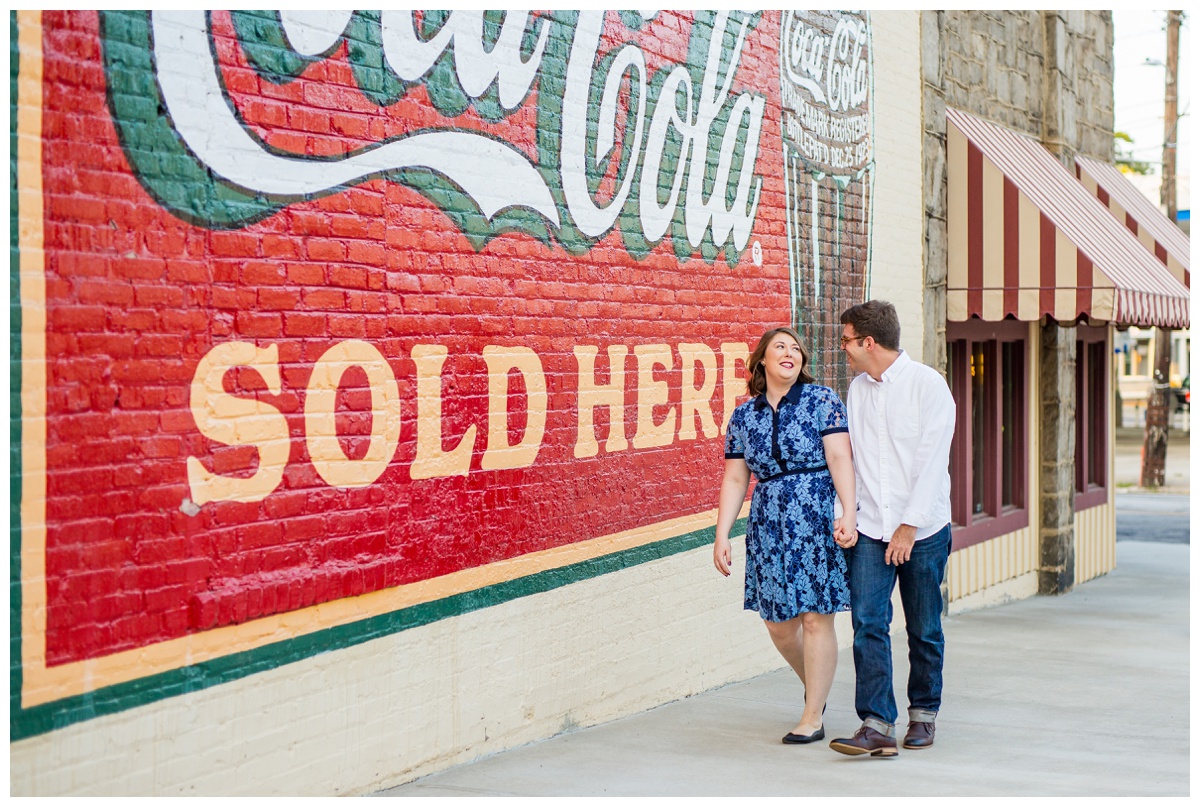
{"points": [[826, 91], [692, 133]]}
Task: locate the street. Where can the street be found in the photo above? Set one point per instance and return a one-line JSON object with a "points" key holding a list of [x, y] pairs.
{"points": [[1161, 516], [1158, 517]]}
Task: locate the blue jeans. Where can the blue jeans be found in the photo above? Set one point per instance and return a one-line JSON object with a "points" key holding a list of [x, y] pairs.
{"points": [[871, 584]]}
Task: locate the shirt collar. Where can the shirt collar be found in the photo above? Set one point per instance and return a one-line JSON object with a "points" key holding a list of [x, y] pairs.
{"points": [[792, 396], [895, 370]]}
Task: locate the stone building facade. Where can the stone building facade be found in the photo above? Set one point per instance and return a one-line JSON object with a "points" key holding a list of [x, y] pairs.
{"points": [[1047, 74]]}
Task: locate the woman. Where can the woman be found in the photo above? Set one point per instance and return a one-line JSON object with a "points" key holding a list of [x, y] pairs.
{"points": [[792, 435]]}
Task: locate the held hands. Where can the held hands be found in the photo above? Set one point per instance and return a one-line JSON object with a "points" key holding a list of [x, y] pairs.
{"points": [[722, 555], [900, 548], [845, 531]]}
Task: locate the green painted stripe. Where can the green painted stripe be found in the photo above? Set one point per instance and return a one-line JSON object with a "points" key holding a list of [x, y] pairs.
{"points": [[14, 376], [117, 698]]}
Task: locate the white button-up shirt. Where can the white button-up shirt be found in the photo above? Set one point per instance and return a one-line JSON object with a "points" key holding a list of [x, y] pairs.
{"points": [[901, 428]]}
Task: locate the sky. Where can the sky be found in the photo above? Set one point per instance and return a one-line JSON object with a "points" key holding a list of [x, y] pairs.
{"points": [[1138, 91]]}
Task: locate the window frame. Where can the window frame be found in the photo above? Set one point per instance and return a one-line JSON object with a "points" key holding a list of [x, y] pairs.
{"points": [[1092, 390], [997, 518]]}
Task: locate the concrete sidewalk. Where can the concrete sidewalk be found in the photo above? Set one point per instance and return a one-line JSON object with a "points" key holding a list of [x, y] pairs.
{"points": [[1081, 695]]}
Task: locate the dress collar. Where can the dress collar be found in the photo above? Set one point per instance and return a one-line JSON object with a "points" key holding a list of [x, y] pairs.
{"points": [[792, 396]]}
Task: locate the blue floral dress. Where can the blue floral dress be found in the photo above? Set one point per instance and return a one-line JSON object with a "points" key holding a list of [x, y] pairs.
{"points": [[792, 564]]}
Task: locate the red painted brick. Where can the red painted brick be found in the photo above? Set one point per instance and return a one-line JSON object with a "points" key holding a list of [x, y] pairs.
{"points": [[278, 298], [137, 296], [253, 536], [324, 299], [188, 271], [302, 324], [263, 273], [158, 296], [105, 292], [346, 326], [325, 249], [233, 244], [251, 323], [366, 252], [277, 247]]}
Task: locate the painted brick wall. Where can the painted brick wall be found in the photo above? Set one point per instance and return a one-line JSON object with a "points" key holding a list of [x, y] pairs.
{"points": [[897, 260], [317, 441], [138, 299]]}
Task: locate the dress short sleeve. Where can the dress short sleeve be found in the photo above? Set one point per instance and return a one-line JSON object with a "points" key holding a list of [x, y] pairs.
{"points": [[735, 438], [831, 413]]}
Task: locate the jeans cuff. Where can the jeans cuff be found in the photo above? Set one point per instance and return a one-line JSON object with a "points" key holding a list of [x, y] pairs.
{"points": [[886, 729], [921, 715]]}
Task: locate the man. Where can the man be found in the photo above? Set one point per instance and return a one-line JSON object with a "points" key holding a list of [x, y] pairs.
{"points": [[901, 418]]}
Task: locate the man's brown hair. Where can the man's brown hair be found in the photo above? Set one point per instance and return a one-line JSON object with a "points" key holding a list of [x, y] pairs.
{"points": [[876, 319], [756, 382]]}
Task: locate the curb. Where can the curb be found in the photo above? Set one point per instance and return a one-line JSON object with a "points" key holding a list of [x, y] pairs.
{"points": [[1163, 491]]}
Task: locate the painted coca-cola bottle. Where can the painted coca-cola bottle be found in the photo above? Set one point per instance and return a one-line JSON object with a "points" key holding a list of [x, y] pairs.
{"points": [[825, 92]]}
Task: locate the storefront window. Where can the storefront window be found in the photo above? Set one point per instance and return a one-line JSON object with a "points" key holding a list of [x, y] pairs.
{"points": [[1012, 422], [978, 398], [986, 371], [1091, 418]]}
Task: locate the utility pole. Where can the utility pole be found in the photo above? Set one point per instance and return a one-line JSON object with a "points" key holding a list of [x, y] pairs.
{"points": [[1158, 409]]}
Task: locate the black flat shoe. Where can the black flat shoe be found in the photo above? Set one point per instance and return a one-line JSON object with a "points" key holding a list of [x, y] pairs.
{"points": [[804, 739]]}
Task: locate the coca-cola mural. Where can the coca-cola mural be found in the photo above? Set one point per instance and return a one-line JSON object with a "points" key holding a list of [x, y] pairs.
{"points": [[337, 323], [825, 69]]}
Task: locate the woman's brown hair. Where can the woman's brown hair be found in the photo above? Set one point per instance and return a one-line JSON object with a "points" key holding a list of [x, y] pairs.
{"points": [[756, 381]]}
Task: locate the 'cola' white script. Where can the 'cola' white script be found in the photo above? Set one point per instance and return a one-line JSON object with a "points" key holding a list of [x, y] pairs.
{"points": [[831, 67], [500, 176]]}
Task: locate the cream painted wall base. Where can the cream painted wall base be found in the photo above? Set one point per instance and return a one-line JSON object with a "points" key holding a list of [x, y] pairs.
{"points": [[394, 709], [1017, 588]]}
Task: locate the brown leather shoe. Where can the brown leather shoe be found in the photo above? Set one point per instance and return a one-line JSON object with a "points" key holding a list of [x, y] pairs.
{"points": [[866, 741], [920, 735]]}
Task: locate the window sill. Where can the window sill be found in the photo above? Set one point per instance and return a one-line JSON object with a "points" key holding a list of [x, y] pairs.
{"points": [[985, 528], [1093, 497]]}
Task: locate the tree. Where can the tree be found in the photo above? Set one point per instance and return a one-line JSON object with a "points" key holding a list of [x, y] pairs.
{"points": [[1123, 149]]}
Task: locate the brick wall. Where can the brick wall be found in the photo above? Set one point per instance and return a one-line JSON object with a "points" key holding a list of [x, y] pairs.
{"points": [[281, 380], [370, 402]]}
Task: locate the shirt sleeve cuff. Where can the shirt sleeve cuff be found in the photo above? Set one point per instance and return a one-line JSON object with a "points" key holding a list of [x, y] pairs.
{"points": [[833, 430], [916, 519], [734, 455]]}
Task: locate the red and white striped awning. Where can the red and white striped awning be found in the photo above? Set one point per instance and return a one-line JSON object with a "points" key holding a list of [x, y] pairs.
{"points": [[1150, 225], [1026, 239]]}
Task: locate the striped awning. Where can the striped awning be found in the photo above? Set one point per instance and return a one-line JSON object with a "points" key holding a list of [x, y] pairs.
{"points": [[1150, 225], [1026, 239]]}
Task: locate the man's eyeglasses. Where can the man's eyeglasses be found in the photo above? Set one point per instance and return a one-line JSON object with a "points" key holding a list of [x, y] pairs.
{"points": [[848, 339]]}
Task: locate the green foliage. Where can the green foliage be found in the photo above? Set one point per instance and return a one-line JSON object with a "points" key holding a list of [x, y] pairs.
{"points": [[1123, 155]]}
